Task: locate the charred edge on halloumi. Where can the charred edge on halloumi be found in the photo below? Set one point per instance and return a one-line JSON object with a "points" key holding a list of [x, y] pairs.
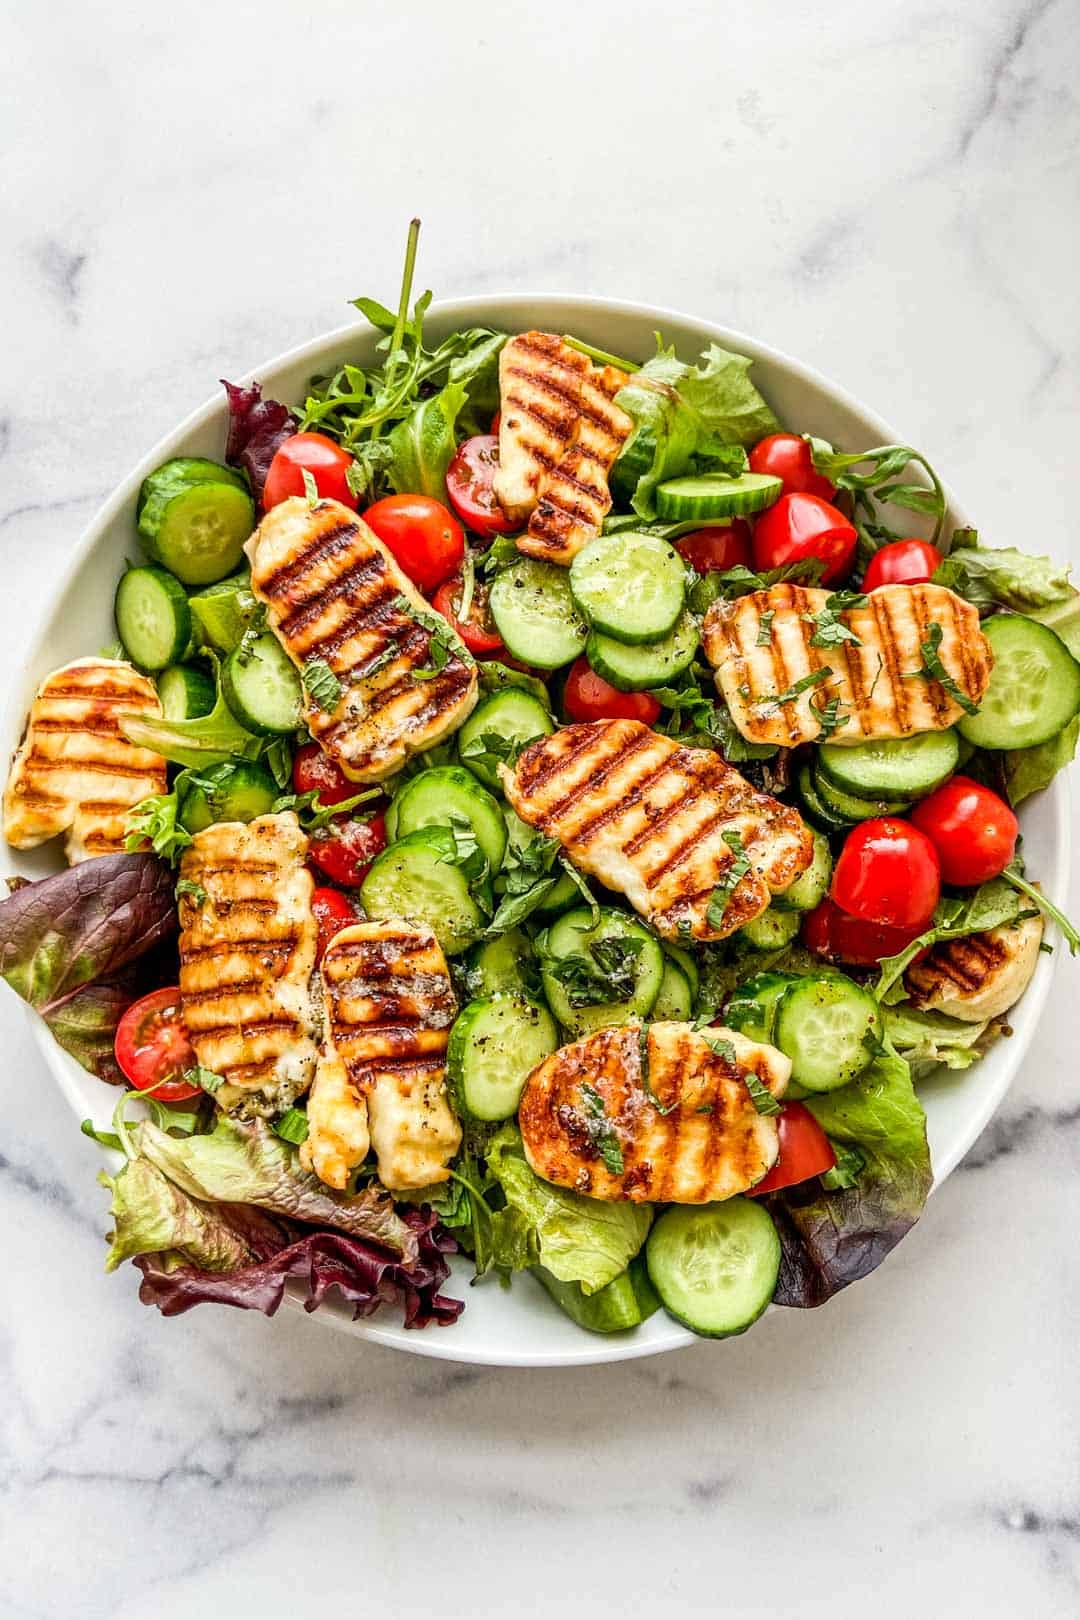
{"points": [[880, 683], [334, 594], [980, 976], [705, 1141], [647, 817], [389, 1008], [247, 954], [74, 773]]}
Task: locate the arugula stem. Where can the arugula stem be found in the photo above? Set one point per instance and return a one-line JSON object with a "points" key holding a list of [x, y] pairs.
{"points": [[601, 356], [1071, 934], [403, 302]]}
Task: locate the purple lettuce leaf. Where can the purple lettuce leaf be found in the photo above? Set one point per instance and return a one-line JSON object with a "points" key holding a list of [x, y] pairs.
{"points": [[257, 429]]}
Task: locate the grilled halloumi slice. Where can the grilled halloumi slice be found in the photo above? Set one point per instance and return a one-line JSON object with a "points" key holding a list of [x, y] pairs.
{"points": [[389, 1007], [334, 594], [978, 977], [660, 823], [247, 954], [705, 1141], [74, 773], [760, 647]]}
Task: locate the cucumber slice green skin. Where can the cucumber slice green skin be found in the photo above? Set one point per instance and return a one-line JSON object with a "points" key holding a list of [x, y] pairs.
{"points": [[559, 899], [238, 790], [1034, 686], [811, 886], [892, 768], [511, 713], [263, 689], [813, 805], [676, 1000], [417, 878], [654, 663], [751, 1010], [714, 1266], [771, 929], [825, 1023], [221, 613], [153, 618], [186, 692], [684, 960], [629, 586], [625, 1302], [193, 517], [503, 965], [571, 935], [495, 1045], [434, 797], [534, 613], [849, 807], [712, 496]]}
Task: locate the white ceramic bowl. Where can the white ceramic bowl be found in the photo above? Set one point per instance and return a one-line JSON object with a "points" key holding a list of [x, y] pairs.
{"points": [[522, 1327]]}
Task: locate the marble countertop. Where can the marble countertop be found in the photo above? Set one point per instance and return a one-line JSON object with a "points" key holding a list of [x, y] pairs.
{"points": [[887, 191]]}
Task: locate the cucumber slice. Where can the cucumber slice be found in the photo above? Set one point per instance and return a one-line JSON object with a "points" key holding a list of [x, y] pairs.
{"points": [[771, 929], [503, 965], [826, 1023], [221, 613], [849, 807], [630, 586], [811, 886], [676, 1000], [571, 937], [534, 613], [186, 692], [713, 496], [495, 1045], [193, 518], [715, 1267], [262, 688], [1034, 686], [752, 1008], [684, 960], [417, 878], [152, 617], [893, 767], [625, 1302], [654, 663], [512, 714], [435, 797], [238, 790], [813, 805]]}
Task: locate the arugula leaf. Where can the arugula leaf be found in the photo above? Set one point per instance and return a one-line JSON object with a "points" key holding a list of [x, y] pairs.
{"points": [[733, 876], [313, 815], [321, 685], [601, 1131], [423, 444], [1013, 875], [879, 483], [992, 905], [991, 577], [934, 670]]}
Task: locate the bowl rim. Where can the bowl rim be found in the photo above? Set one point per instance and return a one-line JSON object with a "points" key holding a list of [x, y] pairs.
{"points": [[474, 309]]}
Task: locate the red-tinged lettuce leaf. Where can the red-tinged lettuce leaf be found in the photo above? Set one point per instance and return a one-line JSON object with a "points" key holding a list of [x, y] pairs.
{"points": [[151, 1215], [257, 429], [85, 1024], [831, 1239]]}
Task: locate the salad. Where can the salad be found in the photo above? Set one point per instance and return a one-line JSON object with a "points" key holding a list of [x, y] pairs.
{"points": [[538, 805]]}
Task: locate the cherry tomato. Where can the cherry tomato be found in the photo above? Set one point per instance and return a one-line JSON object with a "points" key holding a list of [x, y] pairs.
{"points": [[496, 424], [839, 937], [315, 772], [346, 848], [888, 872], [426, 540], [904, 562], [478, 631], [972, 829], [725, 546], [153, 1047], [332, 913], [326, 461], [587, 696], [789, 458], [470, 484], [803, 525], [805, 1150]]}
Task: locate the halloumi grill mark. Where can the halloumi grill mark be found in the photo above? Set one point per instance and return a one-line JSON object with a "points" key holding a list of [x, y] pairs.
{"points": [[705, 1141], [247, 954], [389, 1007], [334, 594], [760, 647], [980, 976], [648, 818], [74, 773]]}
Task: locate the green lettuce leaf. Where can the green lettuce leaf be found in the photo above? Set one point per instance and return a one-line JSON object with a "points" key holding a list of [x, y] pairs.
{"points": [[991, 906], [1029, 770], [152, 1215], [925, 1039], [720, 390], [585, 1240], [1063, 617], [423, 444], [1005, 577], [210, 739]]}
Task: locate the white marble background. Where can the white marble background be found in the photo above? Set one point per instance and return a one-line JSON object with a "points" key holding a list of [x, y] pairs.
{"points": [[887, 190]]}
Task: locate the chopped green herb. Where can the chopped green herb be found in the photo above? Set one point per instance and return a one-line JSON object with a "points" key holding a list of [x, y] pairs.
{"points": [[764, 635], [311, 488], [934, 670], [760, 1095], [730, 881], [803, 684], [205, 1079], [321, 685], [646, 1081], [601, 1131], [605, 971], [187, 887], [831, 631], [845, 1172]]}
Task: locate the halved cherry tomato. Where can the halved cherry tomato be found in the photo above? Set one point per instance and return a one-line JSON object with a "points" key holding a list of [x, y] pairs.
{"points": [[332, 913], [496, 424], [800, 526], [725, 546], [426, 540], [153, 1047], [587, 696], [326, 461], [470, 484], [903, 562], [789, 458], [888, 872], [346, 848], [315, 772], [839, 937], [478, 631], [972, 829], [805, 1151]]}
